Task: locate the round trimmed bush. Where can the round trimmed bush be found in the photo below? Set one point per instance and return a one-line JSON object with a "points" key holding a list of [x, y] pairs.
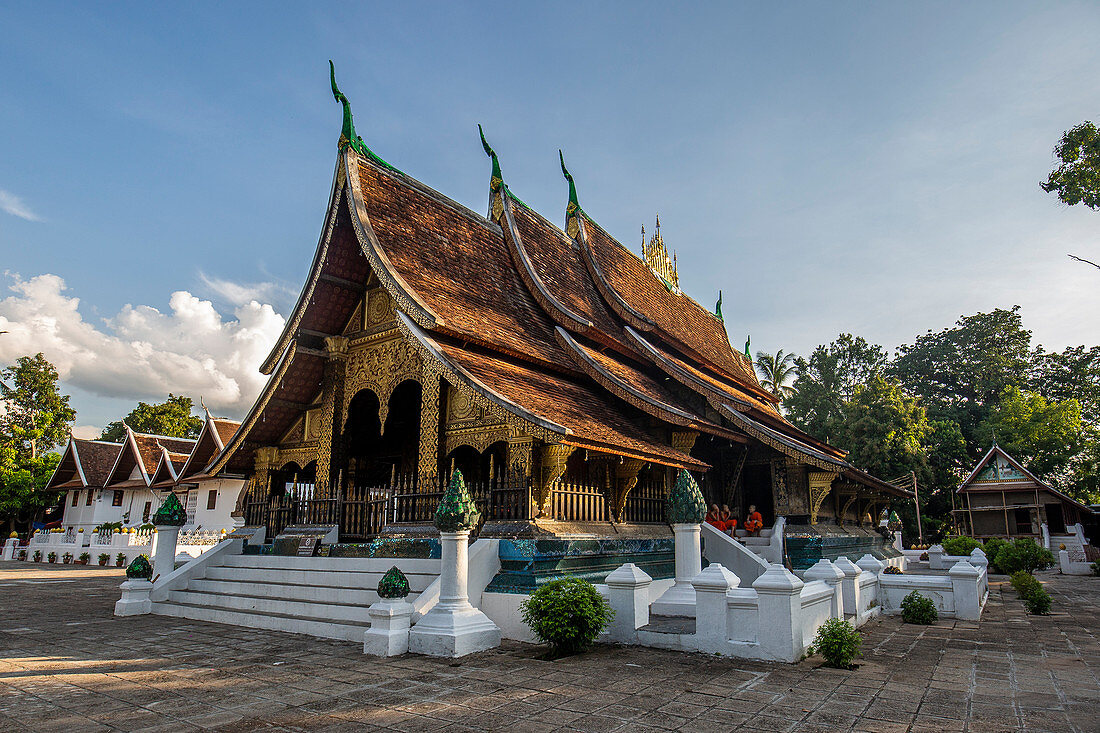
{"points": [[918, 609], [1023, 554], [959, 545], [837, 641], [568, 614]]}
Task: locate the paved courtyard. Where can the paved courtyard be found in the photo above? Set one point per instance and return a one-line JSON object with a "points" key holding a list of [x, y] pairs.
{"points": [[67, 664]]}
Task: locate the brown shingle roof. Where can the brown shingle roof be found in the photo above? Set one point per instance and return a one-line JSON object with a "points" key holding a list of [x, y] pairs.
{"points": [[97, 457]]}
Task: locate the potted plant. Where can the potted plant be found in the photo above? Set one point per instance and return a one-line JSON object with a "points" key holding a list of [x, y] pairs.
{"points": [[84, 558], [67, 558], [120, 560], [103, 558], [22, 554], [52, 557], [38, 555]]}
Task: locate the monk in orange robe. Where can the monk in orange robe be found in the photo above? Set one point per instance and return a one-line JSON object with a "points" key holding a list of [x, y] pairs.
{"points": [[755, 522], [713, 518], [727, 518]]}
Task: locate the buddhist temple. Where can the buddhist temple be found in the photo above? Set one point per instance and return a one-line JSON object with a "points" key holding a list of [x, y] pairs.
{"points": [[566, 378]]}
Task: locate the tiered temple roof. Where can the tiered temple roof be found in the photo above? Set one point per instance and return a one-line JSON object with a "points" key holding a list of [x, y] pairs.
{"points": [[564, 330]]}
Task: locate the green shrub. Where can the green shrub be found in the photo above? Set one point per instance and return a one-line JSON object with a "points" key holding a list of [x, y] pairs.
{"points": [[991, 547], [1023, 554], [959, 545], [568, 614], [837, 641], [1095, 567], [917, 609], [1024, 582], [38, 555], [103, 558], [1038, 601], [51, 557]]}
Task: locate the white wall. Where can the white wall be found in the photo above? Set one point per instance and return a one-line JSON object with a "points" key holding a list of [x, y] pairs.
{"points": [[218, 518]]}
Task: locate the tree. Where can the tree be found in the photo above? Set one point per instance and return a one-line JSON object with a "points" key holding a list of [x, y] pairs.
{"points": [[36, 419], [36, 415], [1044, 436], [885, 430], [1071, 374], [828, 380], [775, 371], [172, 418], [1076, 180], [960, 373]]}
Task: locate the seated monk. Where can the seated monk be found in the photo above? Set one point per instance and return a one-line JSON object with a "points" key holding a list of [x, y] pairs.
{"points": [[755, 521], [728, 521], [713, 518]]}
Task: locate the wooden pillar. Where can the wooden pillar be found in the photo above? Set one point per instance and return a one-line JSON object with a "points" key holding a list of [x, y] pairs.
{"points": [[329, 462], [427, 463], [259, 484]]}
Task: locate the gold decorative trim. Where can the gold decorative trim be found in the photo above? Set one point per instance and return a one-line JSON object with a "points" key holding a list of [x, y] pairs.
{"points": [[553, 459], [820, 484]]}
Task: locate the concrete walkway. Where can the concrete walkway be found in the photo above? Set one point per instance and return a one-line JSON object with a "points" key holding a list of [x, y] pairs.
{"points": [[67, 665]]}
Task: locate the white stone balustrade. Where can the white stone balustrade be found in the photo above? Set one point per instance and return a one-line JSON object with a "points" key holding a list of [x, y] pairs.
{"points": [[711, 615], [849, 585], [164, 549], [828, 572], [388, 635], [679, 600], [628, 594], [135, 599]]}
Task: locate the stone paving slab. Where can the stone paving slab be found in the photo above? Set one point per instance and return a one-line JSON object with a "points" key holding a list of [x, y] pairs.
{"points": [[66, 664]]}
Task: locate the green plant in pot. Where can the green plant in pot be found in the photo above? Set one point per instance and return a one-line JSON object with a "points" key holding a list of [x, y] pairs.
{"points": [[52, 557], [38, 555], [104, 558], [84, 558], [120, 560], [67, 558]]}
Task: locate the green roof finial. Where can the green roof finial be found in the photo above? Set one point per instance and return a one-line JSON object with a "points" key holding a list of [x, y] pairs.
{"points": [[718, 308], [347, 133], [686, 504], [572, 228], [496, 180], [457, 510], [748, 340]]}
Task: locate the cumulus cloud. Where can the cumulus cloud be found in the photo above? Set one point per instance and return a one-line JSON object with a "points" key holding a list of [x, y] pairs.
{"points": [[142, 352], [12, 204], [87, 432]]}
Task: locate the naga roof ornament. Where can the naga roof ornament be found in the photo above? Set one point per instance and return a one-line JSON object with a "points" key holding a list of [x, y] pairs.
{"points": [[348, 138], [718, 308], [572, 226], [748, 341], [496, 180]]}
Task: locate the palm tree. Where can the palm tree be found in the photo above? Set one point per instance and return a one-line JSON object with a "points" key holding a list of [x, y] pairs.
{"points": [[775, 371]]}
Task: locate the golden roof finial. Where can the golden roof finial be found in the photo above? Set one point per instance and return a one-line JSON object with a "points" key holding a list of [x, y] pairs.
{"points": [[656, 257]]}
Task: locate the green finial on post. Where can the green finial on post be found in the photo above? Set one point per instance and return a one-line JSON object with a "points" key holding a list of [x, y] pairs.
{"points": [[686, 504], [457, 511], [171, 513], [393, 585], [347, 132], [139, 569], [718, 308], [748, 340]]}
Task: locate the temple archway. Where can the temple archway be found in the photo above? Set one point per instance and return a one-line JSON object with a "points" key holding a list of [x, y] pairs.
{"points": [[293, 480], [375, 457], [478, 467]]}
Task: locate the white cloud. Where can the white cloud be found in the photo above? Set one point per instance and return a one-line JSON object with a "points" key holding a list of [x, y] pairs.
{"points": [[142, 353], [15, 206], [87, 432], [241, 293]]}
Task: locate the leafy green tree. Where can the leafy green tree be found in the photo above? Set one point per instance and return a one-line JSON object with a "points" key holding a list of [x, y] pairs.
{"points": [[1071, 374], [36, 415], [1044, 436], [35, 420], [885, 430], [1076, 180], [960, 373], [172, 418], [775, 371], [828, 380]]}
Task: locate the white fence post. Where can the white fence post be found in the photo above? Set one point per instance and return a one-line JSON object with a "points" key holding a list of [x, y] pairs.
{"points": [[849, 585], [164, 549], [935, 557], [679, 600], [780, 603], [711, 616], [825, 570], [628, 594], [966, 590]]}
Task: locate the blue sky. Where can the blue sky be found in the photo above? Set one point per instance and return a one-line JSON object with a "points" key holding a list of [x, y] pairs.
{"points": [[869, 168]]}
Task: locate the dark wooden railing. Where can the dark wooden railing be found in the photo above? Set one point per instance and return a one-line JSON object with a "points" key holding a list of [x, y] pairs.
{"points": [[362, 512]]}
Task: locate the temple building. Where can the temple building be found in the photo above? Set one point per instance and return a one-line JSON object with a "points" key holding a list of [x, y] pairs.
{"points": [[1002, 498], [124, 483], [567, 378]]}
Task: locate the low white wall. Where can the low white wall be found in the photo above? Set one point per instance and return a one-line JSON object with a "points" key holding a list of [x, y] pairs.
{"points": [[720, 548], [893, 588], [1072, 567]]}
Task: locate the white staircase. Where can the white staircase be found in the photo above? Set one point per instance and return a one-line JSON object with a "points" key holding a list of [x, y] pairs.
{"points": [[318, 596]]}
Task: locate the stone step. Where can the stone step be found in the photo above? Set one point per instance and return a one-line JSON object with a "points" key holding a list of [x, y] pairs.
{"points": [[289, 591], [340, 564], [323, 611], [271, 621], [332, 578]]}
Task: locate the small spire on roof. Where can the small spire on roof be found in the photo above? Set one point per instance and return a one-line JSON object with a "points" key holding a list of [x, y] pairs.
{"points": [[496, 179], [572, 226], [748, 340], [656, 257], [347, 132], [718, 308]]}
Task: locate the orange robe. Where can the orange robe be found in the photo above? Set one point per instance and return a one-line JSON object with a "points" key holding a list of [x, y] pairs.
{"points": [[755, 522]]}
